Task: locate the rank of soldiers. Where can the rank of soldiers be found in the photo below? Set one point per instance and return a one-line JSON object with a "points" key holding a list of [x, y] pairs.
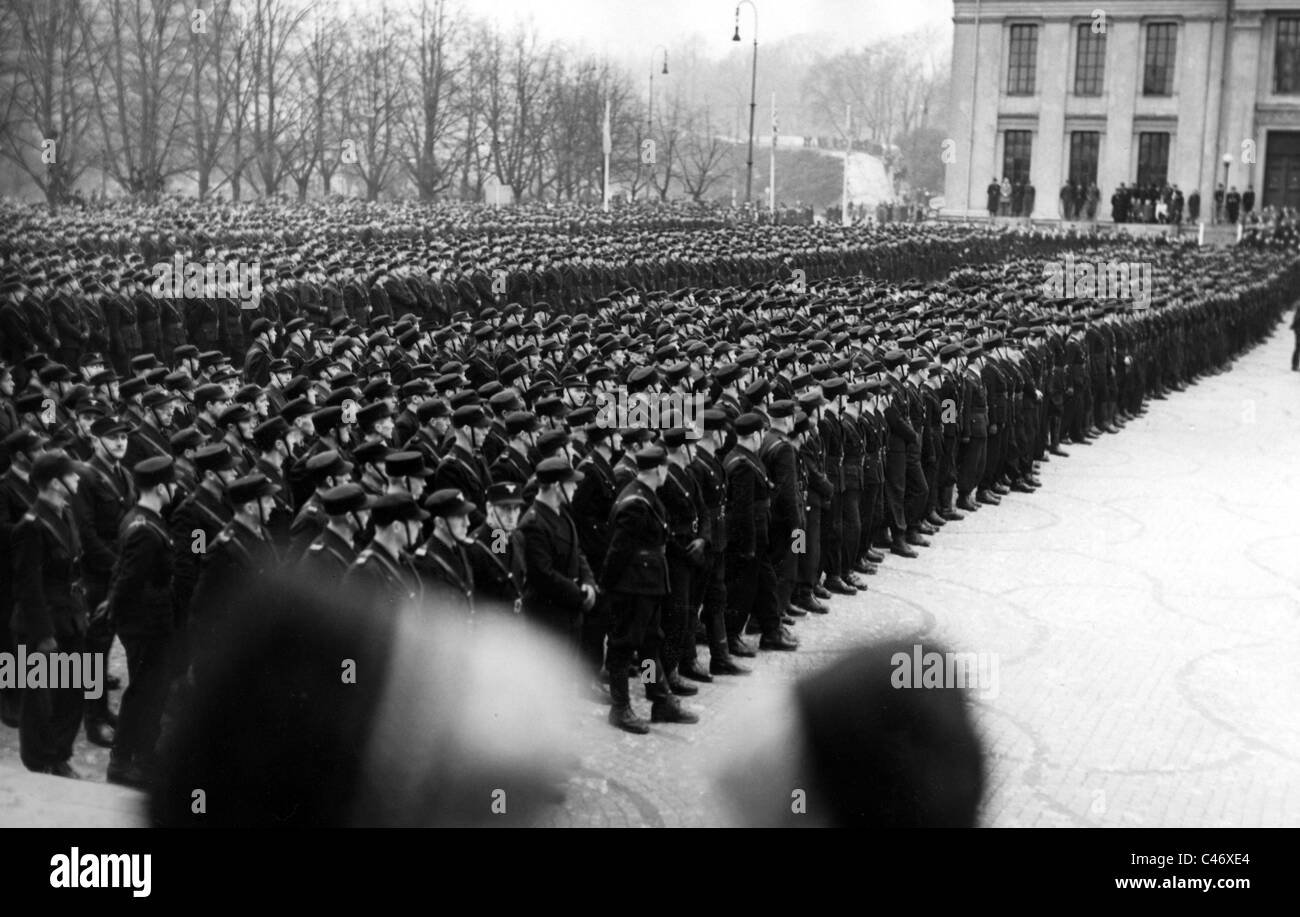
{"points": [[457, 458]]}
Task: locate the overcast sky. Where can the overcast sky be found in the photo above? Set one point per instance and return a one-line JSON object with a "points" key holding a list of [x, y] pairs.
{"points": [[614, 27]]}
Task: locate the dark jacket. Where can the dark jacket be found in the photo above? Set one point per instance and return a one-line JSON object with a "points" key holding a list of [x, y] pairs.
{"points": [[140, 597], [555, 568], [636, 561], [48, 597]]}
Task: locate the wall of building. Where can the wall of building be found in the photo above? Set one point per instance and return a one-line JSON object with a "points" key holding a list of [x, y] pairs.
{"points": [[1222, 99]]}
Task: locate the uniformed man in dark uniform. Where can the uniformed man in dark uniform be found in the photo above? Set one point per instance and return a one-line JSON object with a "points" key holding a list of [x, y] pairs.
{"points": [[142, 611], [334, 549], [241, 554], [383, 570], [494, 551], [686, 551], [442, 561], [199, 518], [635, 572], [106, 494], [17, 496], [559, 587], [49, 611]]}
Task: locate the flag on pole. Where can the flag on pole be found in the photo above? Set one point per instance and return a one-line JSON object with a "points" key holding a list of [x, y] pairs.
{"points": [[607, 140]]}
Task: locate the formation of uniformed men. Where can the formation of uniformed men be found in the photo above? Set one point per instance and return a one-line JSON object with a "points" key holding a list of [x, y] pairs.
{"points": [[770, 443]]}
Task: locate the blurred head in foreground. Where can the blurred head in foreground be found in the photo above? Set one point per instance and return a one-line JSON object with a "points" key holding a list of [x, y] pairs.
{"points": [[322, 710], [847, 748]]}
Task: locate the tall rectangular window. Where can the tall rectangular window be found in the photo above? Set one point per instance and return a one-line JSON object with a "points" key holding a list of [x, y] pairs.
{"points": [[1158, 75], [1090, 61], [1286, 59], [1015, 155], [1023, 60], [1153, 159], [1084, 146]]}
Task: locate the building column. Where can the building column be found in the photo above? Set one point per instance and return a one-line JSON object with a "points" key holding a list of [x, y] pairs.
{"points": [[1122, 86], [1244, 37], [1050, 146]]}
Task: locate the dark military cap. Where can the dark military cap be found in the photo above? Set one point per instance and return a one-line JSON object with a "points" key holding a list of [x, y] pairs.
{"points": [[184, 351], [156, 396], [448, 502], [782, 408], [835, 387], [132, 387], [87, 407], [23, 440], [463, 398], [406, 465], [373, 413], [109, 426], [858, 391], [371, 453], [552, 441], [161, 469], [811, 401], [728, 373], [675, 438], [345, 498], [551, 406], [268, 431], [143, 361], [234, 414], [557, 469], [749, 423], [259, 325], [470, 415], [187, 438], [651, 457], [895, 358], [326, 419], [505, 493], [520, 421], [714, 419], [326, 464], [54, 372], [249, 488], [213, 458], [298, 407], [950, 351], [432, 408], [207, 393], [50, 465], [398, 506]]}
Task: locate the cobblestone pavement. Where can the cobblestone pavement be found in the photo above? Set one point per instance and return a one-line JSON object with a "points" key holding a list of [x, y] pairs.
{"points": [[1144, 608]]}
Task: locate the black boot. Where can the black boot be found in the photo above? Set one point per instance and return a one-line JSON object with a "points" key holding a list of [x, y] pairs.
{"points": [[621, 713], [900, 548]]}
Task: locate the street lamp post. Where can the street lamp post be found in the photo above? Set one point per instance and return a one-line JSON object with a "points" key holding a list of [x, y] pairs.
{"points": [[1227, 163], [650, 109], [753, 86]]}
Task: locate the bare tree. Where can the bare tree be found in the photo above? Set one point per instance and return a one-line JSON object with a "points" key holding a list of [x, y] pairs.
{"points": [[427, 128], [668, 134], [376, 106], [46, 116], [703, 155], [272, 68], [217, 45]]}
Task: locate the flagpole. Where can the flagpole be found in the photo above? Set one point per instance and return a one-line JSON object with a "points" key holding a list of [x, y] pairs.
{"points": [[771, 204], [848, 147], [607, 145]]}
